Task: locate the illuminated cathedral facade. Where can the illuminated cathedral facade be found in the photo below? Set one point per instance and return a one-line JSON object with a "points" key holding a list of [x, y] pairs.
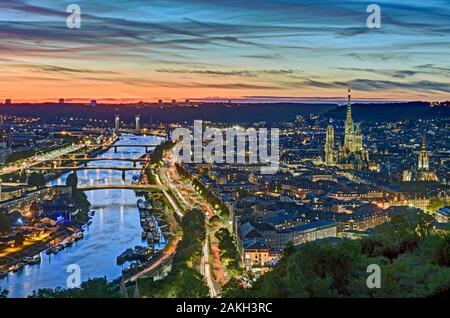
{"points": [[423, 171], [350, 155]]}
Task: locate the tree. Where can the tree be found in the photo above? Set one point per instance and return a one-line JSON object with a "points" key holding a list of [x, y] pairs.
{"points": [[3, 293], [19, 239], [443, 253], [435, 203], [5, 221], [81, 201], [36, 179], [191, 284], [93, 288], [214, 220], [72, 181], [414, 262], [233, 289], [289, 249]]}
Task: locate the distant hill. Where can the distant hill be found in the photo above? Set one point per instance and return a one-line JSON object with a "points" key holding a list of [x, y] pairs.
{"points": [[244, 113], [236, 113], [389, 111]]}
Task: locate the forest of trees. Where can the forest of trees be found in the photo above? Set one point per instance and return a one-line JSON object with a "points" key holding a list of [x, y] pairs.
{"points": [[184, 281], [5, 221], [229, 255], [209, 196], [414, 262], [158, 153], [93, 288], [36, 179]]}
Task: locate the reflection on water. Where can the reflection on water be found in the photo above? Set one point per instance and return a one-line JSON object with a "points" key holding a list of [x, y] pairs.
{"points": [[115, 227]]}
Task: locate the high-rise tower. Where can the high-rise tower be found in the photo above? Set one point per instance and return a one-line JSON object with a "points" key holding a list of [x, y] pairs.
{"points": [[117, 123], [138, 123]]}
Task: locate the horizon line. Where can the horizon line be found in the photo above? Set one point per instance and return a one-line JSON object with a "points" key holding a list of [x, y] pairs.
{"points": [[248, 100]]}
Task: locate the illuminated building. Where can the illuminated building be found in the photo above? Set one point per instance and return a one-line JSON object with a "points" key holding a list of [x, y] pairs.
{"points": [[423, 164], [138, 123], [5, 144], [351, 155], [5, 138], [117, 123]]}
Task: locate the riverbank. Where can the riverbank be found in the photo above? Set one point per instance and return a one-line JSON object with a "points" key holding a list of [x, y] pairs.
{"points": [[114, 228], [169, 229], [32, 248]]}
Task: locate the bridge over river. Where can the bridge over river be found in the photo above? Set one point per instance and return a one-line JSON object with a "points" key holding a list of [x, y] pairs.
{"points": [[142, 187]]}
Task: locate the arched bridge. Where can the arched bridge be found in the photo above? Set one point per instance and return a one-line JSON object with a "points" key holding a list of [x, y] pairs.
{"points": [[103, 159], [86, 159], [142, 187], [77, 168], [119, 168], [122, 146]]}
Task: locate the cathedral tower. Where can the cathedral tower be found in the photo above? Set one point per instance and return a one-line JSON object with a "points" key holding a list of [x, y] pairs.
{"points": [[424, 157], [349, 130], [358, 139], [330, 157]]}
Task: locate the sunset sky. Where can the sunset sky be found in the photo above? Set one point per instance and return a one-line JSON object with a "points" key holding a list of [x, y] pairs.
{"points": [[146, 50]]}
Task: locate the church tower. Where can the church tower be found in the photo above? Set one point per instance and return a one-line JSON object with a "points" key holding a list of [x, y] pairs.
{"points": [[350, 155], [358, 139], [349, 130], [329, 147], [424, 157]]}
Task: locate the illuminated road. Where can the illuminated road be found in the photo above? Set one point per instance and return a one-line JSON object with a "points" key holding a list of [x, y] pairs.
{"points": [[38, 159], [41, 159], [169, 198], [168, 253], [205, 270], [187, 195]]}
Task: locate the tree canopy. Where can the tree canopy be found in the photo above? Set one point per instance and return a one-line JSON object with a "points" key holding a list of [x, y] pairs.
{"points": [[5, 221], [36, 179], [72, 181], [93, 288], [414, 262]]}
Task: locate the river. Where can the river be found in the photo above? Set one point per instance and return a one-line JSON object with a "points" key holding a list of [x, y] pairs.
{"points": [[114, 228]]}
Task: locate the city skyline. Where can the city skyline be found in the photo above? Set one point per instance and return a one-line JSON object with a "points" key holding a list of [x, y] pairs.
{"points": [[276, 50], [250, 152]]}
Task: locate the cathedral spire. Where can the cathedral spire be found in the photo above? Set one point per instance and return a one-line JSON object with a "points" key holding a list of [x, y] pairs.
{"points": [[424, 142], [424, 156], [349, 104], [349, 131]]}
